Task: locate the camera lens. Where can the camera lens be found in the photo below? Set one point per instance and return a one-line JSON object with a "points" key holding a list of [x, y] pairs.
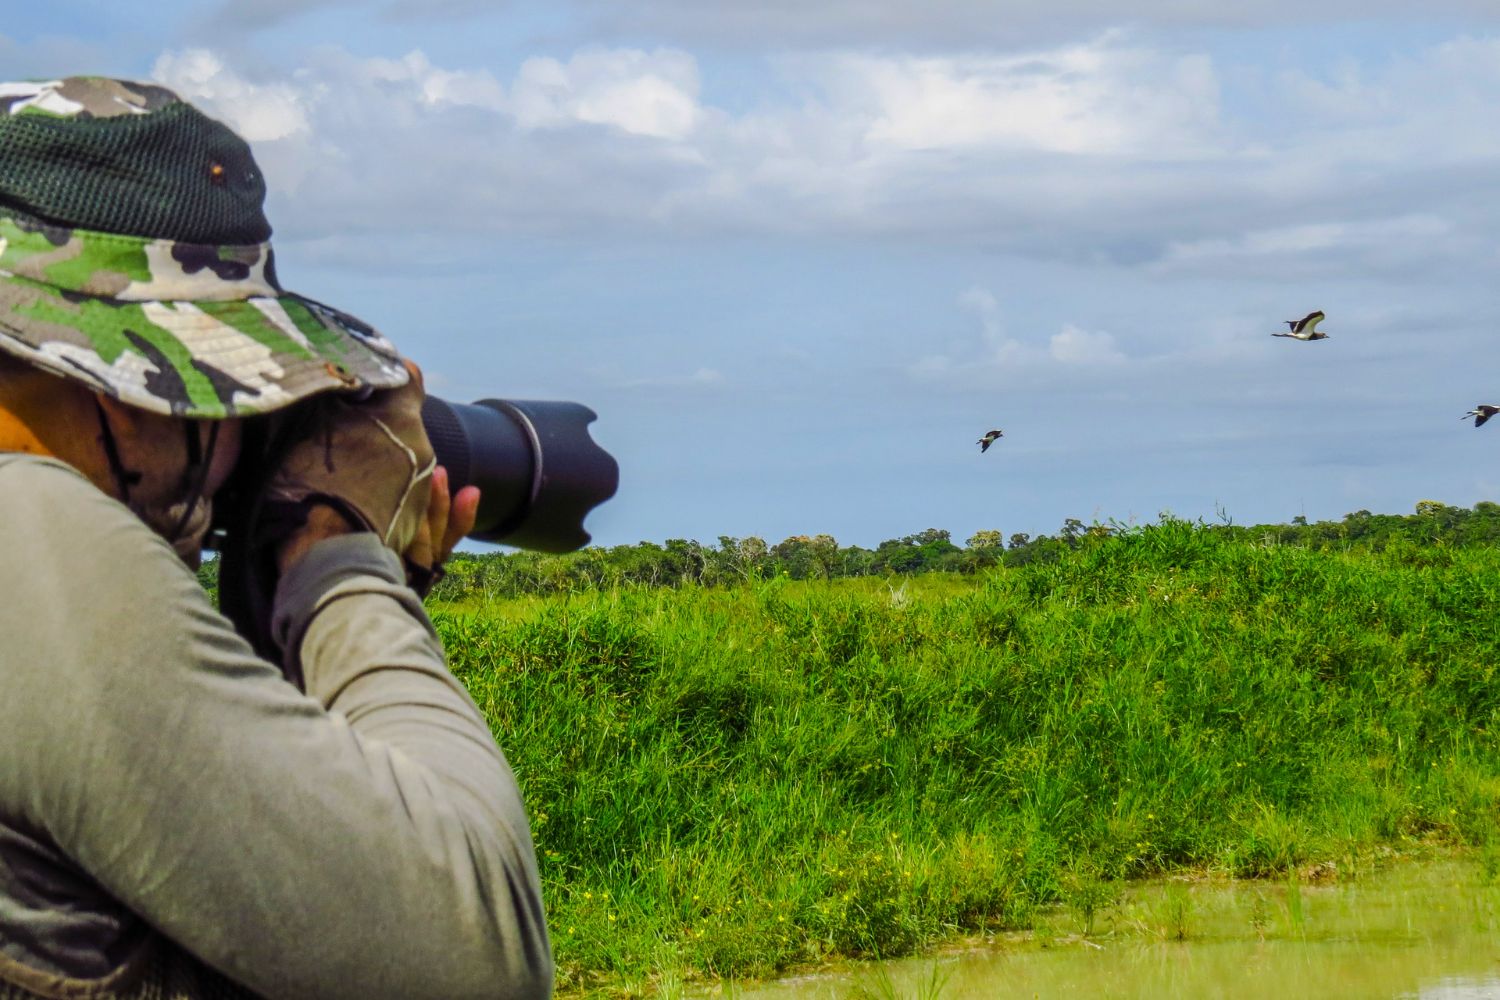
{"points": [[538, 471]]}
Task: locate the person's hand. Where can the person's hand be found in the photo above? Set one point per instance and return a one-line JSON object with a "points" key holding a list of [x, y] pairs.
{"points": [[448, 520], [364, 465]]}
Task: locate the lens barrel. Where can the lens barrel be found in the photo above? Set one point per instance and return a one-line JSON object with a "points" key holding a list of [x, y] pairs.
{"points": [[538, 471]]}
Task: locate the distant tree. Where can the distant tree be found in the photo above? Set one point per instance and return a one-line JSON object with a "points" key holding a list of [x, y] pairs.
{"points": [[793, 556], [645, 563], [1483, 525], [737, 559], [753, 549], [685, 560], [501, 575], [987, 538], [824, 550], [1358, 525], [724, 564], [985, 548], [938, 551], [897, 556], [587, 569], [1039, 549], [855, 561], [926, 551], [930, 536]]}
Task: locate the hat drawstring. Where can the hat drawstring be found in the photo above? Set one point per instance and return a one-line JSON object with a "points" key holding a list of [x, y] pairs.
{"points": [[124, 478], [200, 460]]}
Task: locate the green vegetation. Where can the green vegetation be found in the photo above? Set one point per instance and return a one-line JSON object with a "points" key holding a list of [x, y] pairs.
{"points": [[819, 557], [733, 780]]}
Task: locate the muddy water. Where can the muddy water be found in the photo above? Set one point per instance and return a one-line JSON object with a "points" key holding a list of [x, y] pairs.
{"points": [[1429, 931]]}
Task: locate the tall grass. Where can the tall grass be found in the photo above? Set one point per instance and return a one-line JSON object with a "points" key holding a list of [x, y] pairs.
{"points": [[731, 782]]}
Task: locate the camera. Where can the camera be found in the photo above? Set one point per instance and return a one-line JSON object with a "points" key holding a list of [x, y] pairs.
{"points": [[538, 471]]}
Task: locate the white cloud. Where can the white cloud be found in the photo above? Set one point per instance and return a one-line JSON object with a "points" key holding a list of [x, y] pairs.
{"points": [[1075, 346], [999, 356], [1102, 150], [431, 86], [924, 24], [1437, 103], [916, 24], [650, 94], [994, 350], [411, 151], [1094, 98], [1376, 245], [258, 112]]}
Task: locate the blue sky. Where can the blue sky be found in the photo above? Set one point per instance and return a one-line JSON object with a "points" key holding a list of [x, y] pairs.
{"points": [[799, 257]]}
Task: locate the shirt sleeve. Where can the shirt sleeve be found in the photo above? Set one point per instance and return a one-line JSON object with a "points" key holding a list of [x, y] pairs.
{"points": [[364, 839]]}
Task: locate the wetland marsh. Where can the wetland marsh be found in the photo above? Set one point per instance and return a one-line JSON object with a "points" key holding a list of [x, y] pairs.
{"points": [[732, 783], [1419, 929]]}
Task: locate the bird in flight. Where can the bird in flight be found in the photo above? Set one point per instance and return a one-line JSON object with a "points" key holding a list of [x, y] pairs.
{"points": [[1305, 328], [1481, 413], [989, 439]]}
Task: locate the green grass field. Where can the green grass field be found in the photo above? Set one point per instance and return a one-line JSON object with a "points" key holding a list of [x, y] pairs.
{"points": [[732, 782]]}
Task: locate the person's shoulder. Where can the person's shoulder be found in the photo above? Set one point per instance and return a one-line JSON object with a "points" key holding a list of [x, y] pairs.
{"points": [[88, 584], [52, 516], [21, 463], [39, 480]]}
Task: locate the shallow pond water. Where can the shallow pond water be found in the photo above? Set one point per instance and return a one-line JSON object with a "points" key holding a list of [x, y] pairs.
{"points": [[1429, 931]]}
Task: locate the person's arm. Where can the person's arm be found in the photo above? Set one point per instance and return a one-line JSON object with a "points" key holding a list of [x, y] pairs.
{"points": [[364, 840]]}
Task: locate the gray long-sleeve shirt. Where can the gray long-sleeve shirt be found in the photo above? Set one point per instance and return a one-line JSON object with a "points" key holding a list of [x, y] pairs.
{"points": [[363, 839]]}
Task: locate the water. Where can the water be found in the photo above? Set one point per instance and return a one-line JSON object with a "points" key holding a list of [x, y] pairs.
{"points": [[1428, 931]]}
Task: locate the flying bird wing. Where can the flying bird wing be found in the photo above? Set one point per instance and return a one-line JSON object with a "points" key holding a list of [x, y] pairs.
{"points": [[1308, 323]]}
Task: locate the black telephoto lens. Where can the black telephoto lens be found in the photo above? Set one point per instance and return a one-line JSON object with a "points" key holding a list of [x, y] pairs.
{"points": [[538, 471]]}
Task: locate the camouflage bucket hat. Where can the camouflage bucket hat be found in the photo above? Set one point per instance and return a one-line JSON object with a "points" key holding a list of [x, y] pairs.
{"points": [[135, 257]]}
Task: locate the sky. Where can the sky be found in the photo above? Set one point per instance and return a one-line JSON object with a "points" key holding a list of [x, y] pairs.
{"points": [[799, 257]]}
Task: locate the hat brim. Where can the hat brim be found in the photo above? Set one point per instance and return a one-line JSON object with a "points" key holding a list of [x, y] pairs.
{"points": [[198, 359]]}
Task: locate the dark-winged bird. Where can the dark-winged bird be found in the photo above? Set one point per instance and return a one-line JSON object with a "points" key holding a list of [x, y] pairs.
{"points": [[1305, 328], [989, 439], [1481, 413]]}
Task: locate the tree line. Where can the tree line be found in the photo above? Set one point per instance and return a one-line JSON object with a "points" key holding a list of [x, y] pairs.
{"points": [[732, 560]]}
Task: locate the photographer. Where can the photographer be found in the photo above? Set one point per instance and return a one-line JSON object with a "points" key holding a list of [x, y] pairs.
{"points": [[180, 817]]}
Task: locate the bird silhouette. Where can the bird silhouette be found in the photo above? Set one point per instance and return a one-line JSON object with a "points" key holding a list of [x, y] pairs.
{"points": [[989, 439], [1305, 328], [1481, 413]]}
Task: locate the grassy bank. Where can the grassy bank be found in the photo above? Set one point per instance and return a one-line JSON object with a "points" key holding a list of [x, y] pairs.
{"points": [[735, 781]]}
